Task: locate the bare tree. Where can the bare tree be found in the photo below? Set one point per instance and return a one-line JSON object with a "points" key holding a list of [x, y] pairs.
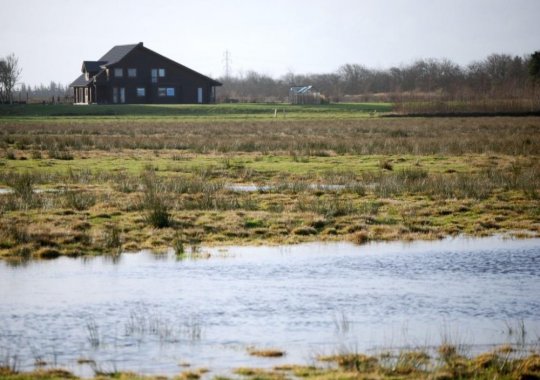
{"points": [[9, 75]]}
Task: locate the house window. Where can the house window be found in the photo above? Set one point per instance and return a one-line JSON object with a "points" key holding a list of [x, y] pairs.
{"points": [[161, 73], [154, 75], [165, 91], [118, 73], [141, 91], [132, 73]]}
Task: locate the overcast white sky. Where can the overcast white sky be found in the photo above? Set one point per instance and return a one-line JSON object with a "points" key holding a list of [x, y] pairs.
{"points": [[52, 37]]}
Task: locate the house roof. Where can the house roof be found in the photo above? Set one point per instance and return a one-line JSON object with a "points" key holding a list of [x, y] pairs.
{"points": [[92, 66], [117, 53], [80, 81], [300, 89], [214, 82]]}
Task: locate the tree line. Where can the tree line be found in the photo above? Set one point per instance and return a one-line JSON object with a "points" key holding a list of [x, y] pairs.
{"points": [[54, 90], [498, 76]]}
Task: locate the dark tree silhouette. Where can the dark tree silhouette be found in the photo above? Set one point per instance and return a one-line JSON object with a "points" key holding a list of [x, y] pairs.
{"points": [[534, 65]]}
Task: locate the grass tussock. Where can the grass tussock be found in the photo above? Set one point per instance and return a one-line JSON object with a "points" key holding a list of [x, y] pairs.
{"points": [[266, 353], [154, 202]]}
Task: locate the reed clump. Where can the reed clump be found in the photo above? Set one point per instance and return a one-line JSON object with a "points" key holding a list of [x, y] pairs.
{"points": [[154, 202], [79, 200]]}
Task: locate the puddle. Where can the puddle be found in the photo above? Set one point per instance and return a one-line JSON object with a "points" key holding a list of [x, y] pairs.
{"points": [[37, 191], [250, 188]]}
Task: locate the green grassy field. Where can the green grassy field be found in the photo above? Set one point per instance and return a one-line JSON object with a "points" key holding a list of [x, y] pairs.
{"points": [[164, 180], [191, 112]]}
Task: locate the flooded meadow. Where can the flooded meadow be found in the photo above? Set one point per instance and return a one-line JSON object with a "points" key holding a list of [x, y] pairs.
{"points": [[156, 313]]}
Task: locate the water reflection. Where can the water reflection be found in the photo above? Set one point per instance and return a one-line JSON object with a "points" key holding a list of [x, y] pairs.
{"points": [[147, 313]]}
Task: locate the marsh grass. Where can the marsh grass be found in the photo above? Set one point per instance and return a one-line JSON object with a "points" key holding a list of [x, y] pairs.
{"points": [[374, 136], [78, 200], [112, 236], [178, 247], [60, 155], [470, 106], [143, 324], [23, 187], [331, 206], [448, 363], [36, 155], [517, 332], [479, 185], [93, 335], [449, 176], [342, 323], [9, 363], [13, 234], [10, 155], [154, 201], [405, 365]]}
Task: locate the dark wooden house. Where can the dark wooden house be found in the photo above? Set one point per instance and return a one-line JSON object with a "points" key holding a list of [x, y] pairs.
{"points": [[135, 74]]}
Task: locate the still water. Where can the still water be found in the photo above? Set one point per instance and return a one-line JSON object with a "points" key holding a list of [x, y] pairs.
{"points": [[149, 313]]}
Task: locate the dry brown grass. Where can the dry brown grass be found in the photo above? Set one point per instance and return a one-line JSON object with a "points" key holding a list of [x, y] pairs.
{"points": [[306, 138]]}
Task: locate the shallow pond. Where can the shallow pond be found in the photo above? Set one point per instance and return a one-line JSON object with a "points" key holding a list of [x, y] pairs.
{"points": [[148, 313]]}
